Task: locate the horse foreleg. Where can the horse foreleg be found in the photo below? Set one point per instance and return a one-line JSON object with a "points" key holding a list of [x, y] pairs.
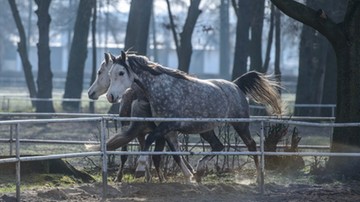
{"points": [[143, 167], [216, 145], [159, 146], [159, 132]]}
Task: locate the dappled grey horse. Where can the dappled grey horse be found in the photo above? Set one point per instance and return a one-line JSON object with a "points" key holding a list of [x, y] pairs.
{"points": [[135, 104], [172, 93]]}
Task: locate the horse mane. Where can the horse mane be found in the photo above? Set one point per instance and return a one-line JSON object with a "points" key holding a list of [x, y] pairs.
{"points": [[154, 68]]}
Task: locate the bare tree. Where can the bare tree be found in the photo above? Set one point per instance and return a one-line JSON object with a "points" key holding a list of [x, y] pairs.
{"points": [[93, 43], [277, 70], [312, 60], [22, 49], [243, 10], [255, 47], [336, 10], [344, 38], [224, 40], [184, 45], [270, 38], [44, 79], [78, 54], [137, 32]]}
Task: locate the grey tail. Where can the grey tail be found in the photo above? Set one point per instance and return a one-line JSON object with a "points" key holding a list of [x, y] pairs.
{"points": [[261, 89]]}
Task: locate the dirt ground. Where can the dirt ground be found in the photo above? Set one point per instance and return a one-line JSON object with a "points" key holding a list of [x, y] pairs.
{"points": [[176, 192]]}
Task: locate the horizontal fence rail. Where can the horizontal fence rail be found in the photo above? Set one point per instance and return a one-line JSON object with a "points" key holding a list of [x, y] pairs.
{"points": [[281, 146], [33, 114], [104, 153]]}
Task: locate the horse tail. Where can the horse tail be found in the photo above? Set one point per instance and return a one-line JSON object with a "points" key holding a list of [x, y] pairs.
{"points": [[261, 89]]}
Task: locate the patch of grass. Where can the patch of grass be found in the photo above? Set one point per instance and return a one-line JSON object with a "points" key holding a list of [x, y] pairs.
{"points": [[224, 178], [35, 181], [15, 102]]}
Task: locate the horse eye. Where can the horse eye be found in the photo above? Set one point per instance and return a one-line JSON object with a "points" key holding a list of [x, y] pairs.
{"points": [[99, 72], [121, 73]]}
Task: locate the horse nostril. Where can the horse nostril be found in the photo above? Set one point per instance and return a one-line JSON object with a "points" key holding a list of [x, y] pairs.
{"points": [[110, 98], [91, 95]]}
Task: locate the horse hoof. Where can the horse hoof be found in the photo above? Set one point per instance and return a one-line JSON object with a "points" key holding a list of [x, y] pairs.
{"points": [[139, 174]]}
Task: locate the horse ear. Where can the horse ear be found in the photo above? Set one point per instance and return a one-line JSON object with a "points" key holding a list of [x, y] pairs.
{"points": [[123, 56], [112, 57], [107, 57]]}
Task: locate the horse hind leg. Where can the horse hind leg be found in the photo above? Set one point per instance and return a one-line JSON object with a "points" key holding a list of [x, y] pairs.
{"points": [[159, 146], [216, 145], [184, 165], [243, 131]]}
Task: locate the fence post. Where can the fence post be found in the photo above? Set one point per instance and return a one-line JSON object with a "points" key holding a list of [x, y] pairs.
{"points": [[8, 104], [104, 158], [262, 159], [17, 146], [11, 140]]}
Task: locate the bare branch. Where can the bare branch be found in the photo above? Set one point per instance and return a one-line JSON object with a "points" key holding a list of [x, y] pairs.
{"points": [[172, 27], [311, 18]]}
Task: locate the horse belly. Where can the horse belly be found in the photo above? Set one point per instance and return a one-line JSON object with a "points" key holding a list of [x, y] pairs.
{"points": [[197, 127]]}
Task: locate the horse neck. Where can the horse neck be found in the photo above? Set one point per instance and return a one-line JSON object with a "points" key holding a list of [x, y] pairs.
{"points": [[139, 91], [143, 83]]}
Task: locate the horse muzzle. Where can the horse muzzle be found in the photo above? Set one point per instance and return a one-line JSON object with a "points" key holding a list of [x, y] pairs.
{"points": [[93, 96], [111, 98]]}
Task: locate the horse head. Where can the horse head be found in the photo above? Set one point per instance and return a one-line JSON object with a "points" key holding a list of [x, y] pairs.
{"points": [[102, 80], [121, 78]]}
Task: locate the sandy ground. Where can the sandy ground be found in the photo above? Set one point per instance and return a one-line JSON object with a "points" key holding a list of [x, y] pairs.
{"points": [[177, 192]]}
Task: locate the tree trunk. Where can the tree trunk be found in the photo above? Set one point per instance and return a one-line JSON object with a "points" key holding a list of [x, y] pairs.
{"points": [[256, 36], [185, 49], [44, 80], [348, 95], [265, 66], [312, 60], [277, 70], [337, 11], [329, 91], [244, 16], [22, 49], [77, 57], [137, 32], [345, 39], [224, 40], [93, 43], [312, 65]]}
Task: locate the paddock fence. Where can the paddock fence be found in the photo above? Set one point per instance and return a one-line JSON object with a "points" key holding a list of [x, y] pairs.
{"points": [[103, 153]]}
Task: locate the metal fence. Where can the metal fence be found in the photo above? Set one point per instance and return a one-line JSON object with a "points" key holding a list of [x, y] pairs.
{"points": [[104, 153]]}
